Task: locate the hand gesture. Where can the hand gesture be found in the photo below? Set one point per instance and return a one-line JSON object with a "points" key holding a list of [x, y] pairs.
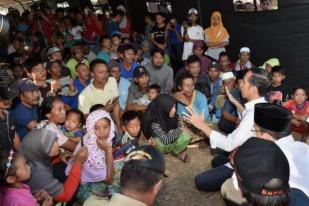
{"points": [[81, 156], [102, 144], [55, 85], [41, 195], [109, 106], [48, 201], [180, 97], [152, 142], [194, 118]]}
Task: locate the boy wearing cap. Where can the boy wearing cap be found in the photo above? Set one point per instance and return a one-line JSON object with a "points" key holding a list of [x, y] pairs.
{"points": [[244, 63], [272, 123], [191, 32], [123, 84], [26, 112], [140, 181], [138, 89]]}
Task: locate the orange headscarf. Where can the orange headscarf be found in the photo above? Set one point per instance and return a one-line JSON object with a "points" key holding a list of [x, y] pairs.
{"points": [[216, 33]]}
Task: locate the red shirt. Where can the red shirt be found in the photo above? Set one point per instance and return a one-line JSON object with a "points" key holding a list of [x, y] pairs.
{"points": [[304, 110]]}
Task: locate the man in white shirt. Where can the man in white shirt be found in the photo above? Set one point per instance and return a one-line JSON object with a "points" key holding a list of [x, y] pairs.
{"points": [[254, 87], [272, 122]]}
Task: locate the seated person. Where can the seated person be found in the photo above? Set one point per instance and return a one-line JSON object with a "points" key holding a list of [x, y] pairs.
{"points": [[153, 91], [96, 174], [73, 125], [131, 124], [39, 154], [106, 44], [214, 81], [138, 89], [186, 96], [198, 50], [161, 125], [128, 64], [278, 92], [26, 113], [14, 172], [243, 62], [77, 57], [298, 105]]}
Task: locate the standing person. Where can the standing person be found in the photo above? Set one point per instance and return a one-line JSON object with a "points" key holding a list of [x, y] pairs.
{"points": [[148, 27], [26, 113], [175, 44], [113, 25], [140, 181], [159, 72], [191, 32], [278, 91], [254, 87], [125, 23], [158, 32], [162, 125], [216, 36]]}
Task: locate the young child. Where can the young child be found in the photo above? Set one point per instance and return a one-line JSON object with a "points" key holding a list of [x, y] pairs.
{"points": [[13, 172], [73, 125], [298, 105], [98, 170], [278, 93], [131, 124], [153, 91]]}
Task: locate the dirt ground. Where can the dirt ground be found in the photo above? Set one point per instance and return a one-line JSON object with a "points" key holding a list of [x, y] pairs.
{"points": [[178, 188]]}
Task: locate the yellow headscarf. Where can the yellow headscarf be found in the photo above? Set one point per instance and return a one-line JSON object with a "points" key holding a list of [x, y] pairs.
{"points": [[216, 33]]}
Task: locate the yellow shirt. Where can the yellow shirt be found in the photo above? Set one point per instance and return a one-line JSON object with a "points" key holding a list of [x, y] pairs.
{"points": [[91, 96], [116, 200]]}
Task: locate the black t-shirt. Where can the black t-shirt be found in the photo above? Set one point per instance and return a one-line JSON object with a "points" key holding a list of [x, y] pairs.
{"points": [[7, 132], [159, 34], [278, 94]]}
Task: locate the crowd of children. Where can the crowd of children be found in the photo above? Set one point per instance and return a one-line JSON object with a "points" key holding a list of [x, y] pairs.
{"points": [[93, 90]]}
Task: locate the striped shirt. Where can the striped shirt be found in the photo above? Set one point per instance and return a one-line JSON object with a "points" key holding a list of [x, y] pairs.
{"points": [[166, 138]]}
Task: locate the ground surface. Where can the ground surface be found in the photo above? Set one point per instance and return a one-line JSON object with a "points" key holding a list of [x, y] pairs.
{"points": [[178, 188]]}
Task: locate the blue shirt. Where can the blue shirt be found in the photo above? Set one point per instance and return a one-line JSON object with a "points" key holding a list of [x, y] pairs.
{"points": [[127, 74], [23, 115], [123, 87], [104, 56], [79, 87], [112, 27], [172, 36], [199, 104]]}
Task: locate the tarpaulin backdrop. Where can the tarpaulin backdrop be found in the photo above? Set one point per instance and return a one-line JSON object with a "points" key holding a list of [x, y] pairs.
{"points": [[283, 33]]}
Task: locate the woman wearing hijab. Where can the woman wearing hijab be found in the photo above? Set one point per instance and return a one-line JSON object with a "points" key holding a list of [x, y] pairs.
{"points": [[98, 170], [162, 125], [38, 147], [216, 36]]}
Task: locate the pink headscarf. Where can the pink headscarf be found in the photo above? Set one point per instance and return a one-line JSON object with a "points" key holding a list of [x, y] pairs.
{"points": [[94, 169]]}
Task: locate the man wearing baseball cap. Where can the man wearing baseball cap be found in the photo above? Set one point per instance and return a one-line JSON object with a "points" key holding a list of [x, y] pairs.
{"points": [[244, 62], [191, 33], [140, 180], [26, 112], [272, 123]]}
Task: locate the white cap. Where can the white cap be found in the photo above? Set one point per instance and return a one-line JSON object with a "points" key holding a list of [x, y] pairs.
{"points": [[192, 11], [227, 75], [244, 49]]}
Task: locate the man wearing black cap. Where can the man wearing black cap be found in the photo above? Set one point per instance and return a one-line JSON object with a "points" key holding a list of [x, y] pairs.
{"points": [[261, 172], [9, 138], [140, 180], [253, 88], [138, 89], [272, 122], [26, 112]]}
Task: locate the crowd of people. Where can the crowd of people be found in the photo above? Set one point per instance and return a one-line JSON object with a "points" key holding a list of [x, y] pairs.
{"points": [[92, 106]]}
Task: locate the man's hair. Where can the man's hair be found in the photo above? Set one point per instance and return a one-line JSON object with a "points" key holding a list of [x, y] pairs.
{"points": [[138, 179], [128, 116], [103, 37], [278, 135], [116, 35], [32, 62], [181, 77], [223, 54], [160, 14], [277, 200], [278, 69], [80, 64], [96, 107], [127, 47], [193, 59], [95, 62], [49, 64], [155, 87], [261, 79], [157, 50], [300, 87]]}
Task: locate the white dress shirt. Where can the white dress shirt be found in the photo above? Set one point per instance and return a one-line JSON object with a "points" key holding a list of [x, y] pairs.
{"points": [[297, 154], [243, 132]]}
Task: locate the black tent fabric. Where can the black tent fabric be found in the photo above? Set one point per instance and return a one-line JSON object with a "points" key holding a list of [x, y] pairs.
{"points": [[283, 34]]}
